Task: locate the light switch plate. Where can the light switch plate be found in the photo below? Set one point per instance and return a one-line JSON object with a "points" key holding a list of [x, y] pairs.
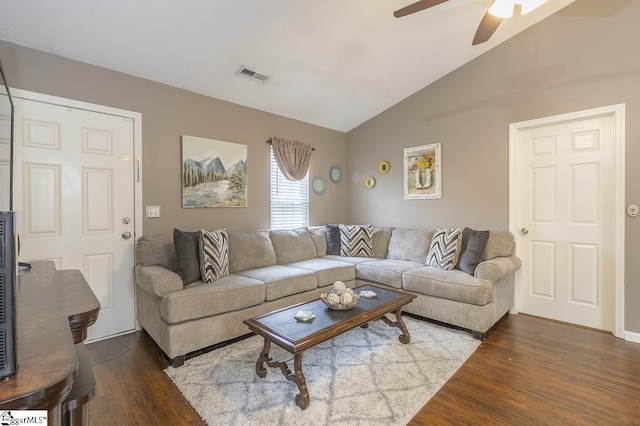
{"points": [[153, 211]]}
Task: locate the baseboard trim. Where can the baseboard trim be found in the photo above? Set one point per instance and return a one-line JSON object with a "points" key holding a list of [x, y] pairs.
{"points": [[632, 337]]}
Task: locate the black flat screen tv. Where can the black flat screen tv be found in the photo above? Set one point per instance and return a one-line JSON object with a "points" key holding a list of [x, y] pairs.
{"points": [[8, 237]]}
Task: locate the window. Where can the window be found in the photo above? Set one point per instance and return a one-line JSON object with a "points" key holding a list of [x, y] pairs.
{"points": [[289, 199]]}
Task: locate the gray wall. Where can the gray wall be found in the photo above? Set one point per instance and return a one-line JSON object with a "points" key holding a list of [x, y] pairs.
{"points": [[584, 57], [168, 113]]}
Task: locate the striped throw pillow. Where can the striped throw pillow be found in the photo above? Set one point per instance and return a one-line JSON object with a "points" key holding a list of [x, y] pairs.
{"points": [[214, 255], [356, 240], [445, 249]]}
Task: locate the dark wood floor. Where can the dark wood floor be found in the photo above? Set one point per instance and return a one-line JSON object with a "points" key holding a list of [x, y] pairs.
{"points": [[528, 371]]}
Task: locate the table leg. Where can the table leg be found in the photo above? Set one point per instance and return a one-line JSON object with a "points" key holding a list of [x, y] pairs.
{"points": [[398, 323], [404, 337], [263, 359], [302, 398]]}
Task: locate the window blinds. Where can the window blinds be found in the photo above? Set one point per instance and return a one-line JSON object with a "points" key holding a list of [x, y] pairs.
{"points": [[289, 199]]}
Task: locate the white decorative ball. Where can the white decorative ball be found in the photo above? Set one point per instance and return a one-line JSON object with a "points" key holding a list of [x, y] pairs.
{"points": [[346, 298], [333, 298], [339, 287]]}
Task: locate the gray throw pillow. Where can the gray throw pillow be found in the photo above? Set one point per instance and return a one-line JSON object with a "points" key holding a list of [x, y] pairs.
{"points": [[333, 239], [473, 243], [187, 255]]}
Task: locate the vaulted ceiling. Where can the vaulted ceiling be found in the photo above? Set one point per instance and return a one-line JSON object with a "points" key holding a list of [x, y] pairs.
{"points": [[333, 63]]}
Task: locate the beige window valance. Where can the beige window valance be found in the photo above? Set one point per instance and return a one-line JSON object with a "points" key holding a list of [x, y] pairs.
{"points": [[293, 157]]}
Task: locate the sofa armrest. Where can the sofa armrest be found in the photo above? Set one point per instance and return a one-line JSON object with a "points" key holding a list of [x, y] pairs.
{"points": [[496, 268], [157, 280]]}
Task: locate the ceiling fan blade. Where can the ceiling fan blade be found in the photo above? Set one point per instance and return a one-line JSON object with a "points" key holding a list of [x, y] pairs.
{"points": [[417, 7], [487, 27]]}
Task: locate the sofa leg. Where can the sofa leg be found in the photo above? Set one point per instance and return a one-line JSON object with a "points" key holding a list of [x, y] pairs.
{"points": [[479, 335], [177, 361]]}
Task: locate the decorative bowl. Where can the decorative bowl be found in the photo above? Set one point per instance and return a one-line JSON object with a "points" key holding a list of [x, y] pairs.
{"points": [[343, 302]]}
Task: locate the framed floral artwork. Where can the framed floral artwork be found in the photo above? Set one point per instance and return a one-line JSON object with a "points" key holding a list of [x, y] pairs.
{"points": [[422, 172], [214, 173]]}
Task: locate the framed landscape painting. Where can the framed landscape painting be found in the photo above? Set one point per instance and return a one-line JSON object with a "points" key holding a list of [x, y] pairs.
{"points": [[422, 172], [214, 173]]}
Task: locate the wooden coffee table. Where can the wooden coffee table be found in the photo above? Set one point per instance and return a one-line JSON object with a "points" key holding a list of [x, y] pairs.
{"points": [[280, 327]]}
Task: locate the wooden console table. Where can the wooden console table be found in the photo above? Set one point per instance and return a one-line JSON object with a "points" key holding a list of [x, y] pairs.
{"points": [[54, 310]]}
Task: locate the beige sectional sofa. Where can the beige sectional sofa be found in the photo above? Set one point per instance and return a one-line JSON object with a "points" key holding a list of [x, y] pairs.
{"points": [[272, 269]]}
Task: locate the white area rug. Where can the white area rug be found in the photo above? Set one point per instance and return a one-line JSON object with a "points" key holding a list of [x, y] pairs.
{"points": [[365, 376]]}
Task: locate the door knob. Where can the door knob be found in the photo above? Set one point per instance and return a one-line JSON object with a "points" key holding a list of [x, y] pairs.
{"points": [[126, 235], [524, 231]]}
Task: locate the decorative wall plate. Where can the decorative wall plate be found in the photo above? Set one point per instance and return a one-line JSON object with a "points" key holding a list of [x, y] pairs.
{"points": [[383, 167], [335, 174], [319, 185], [370, 182]]}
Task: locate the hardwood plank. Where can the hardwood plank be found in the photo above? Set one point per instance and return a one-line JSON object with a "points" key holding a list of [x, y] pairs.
{"points": [[532, 370], [528, 371]]}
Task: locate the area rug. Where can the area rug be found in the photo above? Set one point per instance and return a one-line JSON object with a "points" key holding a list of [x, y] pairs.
{"points": [[365, 376]]}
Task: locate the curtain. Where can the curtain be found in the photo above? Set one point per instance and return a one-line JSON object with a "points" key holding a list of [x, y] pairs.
{"points": [[293, 157]]}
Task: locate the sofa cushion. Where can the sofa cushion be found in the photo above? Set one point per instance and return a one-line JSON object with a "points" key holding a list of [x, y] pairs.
{"points": [[409, 244], [214, 255], [249, 250], [381, 236], [156, 251], [200, 300], [499, 244], [333, 239], [187, 255], [473, 243], [445, 249], [350, 259], [386, 271], [319, 238], [281, 280], [356, 240], [327, 270], [453, 285], [292, 245]]}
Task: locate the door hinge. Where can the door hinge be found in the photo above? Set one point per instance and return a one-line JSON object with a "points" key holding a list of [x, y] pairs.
{"points": [[138, 165]]}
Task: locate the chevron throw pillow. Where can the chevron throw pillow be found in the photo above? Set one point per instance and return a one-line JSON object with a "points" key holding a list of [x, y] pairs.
{"points": [[444, 249], [214, 255], [356, 240]]}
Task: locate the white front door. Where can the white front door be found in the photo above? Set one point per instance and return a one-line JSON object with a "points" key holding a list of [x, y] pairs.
{"points": [[565, 220], [74, 195]]}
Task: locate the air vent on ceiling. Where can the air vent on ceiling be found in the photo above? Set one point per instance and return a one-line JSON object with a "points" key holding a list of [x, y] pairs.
{"points": [[253, 75]]}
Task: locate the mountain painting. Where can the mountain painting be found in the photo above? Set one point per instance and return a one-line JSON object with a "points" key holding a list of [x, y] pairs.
{"points": [[214, 173]]}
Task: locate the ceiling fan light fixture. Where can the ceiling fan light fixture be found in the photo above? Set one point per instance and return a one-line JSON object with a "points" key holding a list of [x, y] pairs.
{"points": [[502, 8], [529, 5]]}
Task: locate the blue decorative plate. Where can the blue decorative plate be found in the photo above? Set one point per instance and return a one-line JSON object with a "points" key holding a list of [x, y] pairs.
{"points": [[319, 185], [335, 174]]}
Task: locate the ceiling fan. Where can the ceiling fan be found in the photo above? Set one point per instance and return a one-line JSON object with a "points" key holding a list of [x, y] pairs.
{"points": [[499, 10]]}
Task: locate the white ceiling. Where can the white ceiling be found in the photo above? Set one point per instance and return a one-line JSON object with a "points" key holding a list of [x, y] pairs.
{"points": [[333, 63]]}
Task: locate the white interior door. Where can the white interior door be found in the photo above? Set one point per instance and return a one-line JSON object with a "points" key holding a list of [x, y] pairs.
{"points": [[5, 154], [74, 194], [566, 232]]}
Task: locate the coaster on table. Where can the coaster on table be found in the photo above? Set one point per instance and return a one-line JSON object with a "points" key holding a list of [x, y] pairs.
{"points": [[367, 294], [304, 315]]}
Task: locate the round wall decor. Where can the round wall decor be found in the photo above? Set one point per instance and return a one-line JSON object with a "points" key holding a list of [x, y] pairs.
{"points": [[335, 174], [383, 167], [370, 182], [319, 185]]}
